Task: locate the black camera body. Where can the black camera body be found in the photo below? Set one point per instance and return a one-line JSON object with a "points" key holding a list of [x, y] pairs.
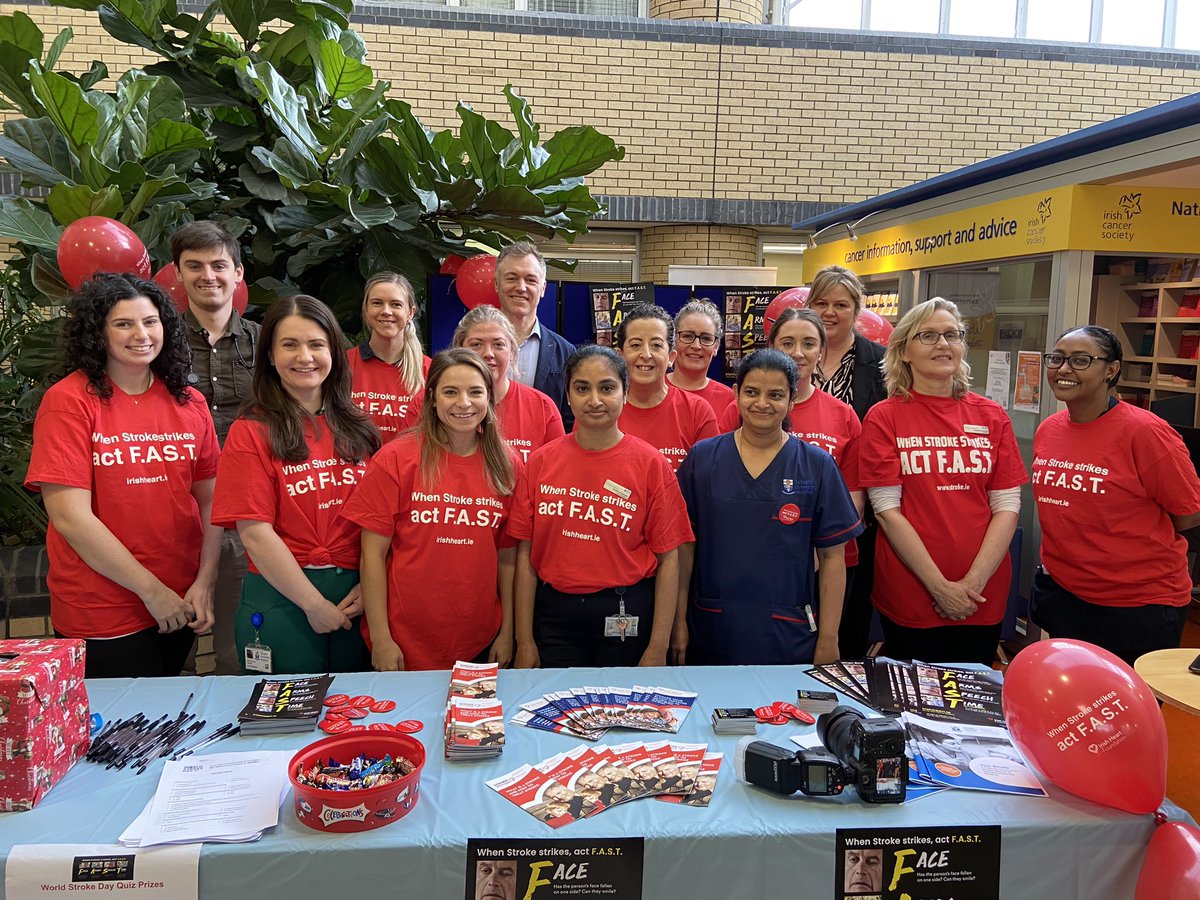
{"points": [[872, 750]]}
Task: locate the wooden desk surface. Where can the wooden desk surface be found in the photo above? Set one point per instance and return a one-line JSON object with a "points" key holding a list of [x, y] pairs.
{"points": [[1166, 671]]}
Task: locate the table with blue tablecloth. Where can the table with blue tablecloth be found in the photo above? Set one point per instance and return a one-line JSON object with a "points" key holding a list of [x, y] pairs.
{"points": [[748, 843]]}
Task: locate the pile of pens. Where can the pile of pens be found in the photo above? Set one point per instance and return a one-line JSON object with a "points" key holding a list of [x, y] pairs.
{"points": [[137, 742]]}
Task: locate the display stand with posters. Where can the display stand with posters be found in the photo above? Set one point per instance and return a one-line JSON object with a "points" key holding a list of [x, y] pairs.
{"points": [[746, 843]]}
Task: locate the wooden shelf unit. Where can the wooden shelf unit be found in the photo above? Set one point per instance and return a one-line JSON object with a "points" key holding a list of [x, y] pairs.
{"points": [[1146, 319]]}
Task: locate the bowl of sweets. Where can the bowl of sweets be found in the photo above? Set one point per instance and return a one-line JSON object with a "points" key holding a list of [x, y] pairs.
{"points": [[356, 782]]}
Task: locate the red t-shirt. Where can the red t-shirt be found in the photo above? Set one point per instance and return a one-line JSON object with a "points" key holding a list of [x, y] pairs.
{"points": [[598, 519], [376, 388], [823, 421], [528, 419], [674, 426], [947, 455], [303, 500], [139, 457], [442, 600], [717, 394], [1105, 493]]}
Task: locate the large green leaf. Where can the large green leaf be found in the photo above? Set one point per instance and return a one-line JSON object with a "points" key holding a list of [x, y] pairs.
{"points": [[66, 105], [511, 199], [68, 202], [415, 141], [483, 157], [288, 47], [359, 139], [260, 184], [167, 137], [41, 349], [20, 31], [369, 214], [37, 149], [57, 47], [294, 167], [96, 73], [126, 30], [575, 151], [48, 280], [14, 80], [459, 195], [28, 223], [198, 90], [345, 121], [338, 75], [246, 16], [284, 106]]}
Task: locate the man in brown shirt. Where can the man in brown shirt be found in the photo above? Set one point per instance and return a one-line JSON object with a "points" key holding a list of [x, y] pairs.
{"points": [[209, 263]]}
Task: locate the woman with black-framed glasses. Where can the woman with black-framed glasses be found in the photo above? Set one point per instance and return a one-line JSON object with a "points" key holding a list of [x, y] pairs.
{"points": [[1114, 487], [698, 331], [944, 479]]}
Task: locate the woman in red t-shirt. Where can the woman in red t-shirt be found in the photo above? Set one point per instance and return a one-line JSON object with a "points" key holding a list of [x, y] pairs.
{"points": [[599, 519], [124, 453], [944, 474], [698, 332], [437, 574], [1114, 487], [288, 465], [387, 371], [527, 417], [666, 418]]}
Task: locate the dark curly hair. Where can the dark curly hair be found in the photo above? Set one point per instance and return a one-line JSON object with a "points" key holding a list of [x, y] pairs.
{"points": [[86, 347]]}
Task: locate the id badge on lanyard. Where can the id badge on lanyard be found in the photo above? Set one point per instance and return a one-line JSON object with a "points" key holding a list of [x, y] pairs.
{"points": [[258, 654]]}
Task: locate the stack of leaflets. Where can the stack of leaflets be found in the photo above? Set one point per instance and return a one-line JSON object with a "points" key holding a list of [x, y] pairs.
{"points": [[284, 706], [952, 715], [734, 720], [589, 712], [587, 780], [474, 725]]}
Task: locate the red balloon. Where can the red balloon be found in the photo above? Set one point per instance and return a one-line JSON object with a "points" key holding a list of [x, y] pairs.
{"points": [[476, 281], [451, 264], [167, 278], [873, 326], [792, 297], [1089, 723], [100, 244], [1171, 870]]}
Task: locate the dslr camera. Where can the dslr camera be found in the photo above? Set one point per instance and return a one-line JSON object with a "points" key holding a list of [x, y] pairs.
{"points": [[867, 753]]}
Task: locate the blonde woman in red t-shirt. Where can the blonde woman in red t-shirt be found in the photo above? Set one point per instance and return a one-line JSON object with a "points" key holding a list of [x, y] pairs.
{"points": [[527, 418], [388, 369], [437, 571]]}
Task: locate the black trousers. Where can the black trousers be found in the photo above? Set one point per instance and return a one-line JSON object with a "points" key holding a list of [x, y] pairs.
{"points": [[143, 654], [941, 644], [855, 628], [1126, 631], [569, 628]]}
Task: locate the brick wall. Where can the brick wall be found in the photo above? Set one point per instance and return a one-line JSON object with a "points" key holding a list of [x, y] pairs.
{"points": [[744, 12], [801, 116], [696, 245]]}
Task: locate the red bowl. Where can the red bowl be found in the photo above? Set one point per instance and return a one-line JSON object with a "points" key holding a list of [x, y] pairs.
{"points": [[373, 807]]}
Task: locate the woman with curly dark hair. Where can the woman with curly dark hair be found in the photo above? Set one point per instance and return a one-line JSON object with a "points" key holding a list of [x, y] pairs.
{"points": [[288, 465], [125, 455]]}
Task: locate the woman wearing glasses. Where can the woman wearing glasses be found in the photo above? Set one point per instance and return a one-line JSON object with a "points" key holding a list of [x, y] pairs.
{"points": [[1114, 486], [944, 480], [697, 338]]}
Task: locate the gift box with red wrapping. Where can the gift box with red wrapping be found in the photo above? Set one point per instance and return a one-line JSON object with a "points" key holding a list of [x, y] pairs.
{"points": [[43, 717]]}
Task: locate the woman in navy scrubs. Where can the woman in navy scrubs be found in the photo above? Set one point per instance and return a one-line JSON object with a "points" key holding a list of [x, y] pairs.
{"points": [[760, 504]]}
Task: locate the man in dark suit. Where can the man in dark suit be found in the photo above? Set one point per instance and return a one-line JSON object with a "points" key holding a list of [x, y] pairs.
{"points": [[542, 354]]}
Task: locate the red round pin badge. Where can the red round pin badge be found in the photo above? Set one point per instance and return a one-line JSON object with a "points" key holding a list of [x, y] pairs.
{"points": [[337, 699], [383, 706], [362, 701], [334, 726], [789, 514], [409, 726], [351, 712]]}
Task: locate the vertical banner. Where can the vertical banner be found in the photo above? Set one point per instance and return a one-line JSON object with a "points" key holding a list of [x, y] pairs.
{"points": [[610, 302], [998, 374], [1028, 394], [525, 869], [962, 862], [744, 311]]}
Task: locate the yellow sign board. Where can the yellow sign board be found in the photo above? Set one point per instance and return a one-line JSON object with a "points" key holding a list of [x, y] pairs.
{"points": [[1108, 218]]}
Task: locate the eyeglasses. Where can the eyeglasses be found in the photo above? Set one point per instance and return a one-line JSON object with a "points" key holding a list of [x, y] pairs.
{"points": [[932, 337], [690, 337], [1077, 361]]}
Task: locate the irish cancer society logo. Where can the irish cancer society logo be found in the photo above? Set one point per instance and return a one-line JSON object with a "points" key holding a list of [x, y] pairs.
{"points": [[356, 814], [1132, 204], [1043, 211]]}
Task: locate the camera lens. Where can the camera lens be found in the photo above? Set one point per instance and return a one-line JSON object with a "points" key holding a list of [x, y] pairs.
{"points": [[834, 731]]}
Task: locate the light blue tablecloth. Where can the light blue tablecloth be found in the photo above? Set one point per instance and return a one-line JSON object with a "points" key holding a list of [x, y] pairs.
{"points": [[748, 843]]}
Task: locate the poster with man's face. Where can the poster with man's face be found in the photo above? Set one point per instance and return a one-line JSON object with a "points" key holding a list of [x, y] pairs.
{"points": [[517, 869], [962, 862]]}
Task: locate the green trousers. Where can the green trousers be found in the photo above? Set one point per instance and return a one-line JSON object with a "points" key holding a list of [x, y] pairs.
{"points": [[295, 648]]}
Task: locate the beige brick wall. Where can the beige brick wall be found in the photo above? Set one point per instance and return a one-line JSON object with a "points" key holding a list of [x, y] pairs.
{"points": [[803, 125], [743, 12], [695, 245]]}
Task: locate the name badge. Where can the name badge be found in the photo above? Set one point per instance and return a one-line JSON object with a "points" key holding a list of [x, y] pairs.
{"points": [[975, 429]]}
